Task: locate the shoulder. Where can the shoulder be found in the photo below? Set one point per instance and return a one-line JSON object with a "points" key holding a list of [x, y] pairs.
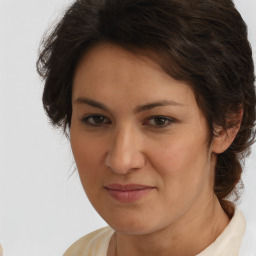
{"points": [[95, 243], [248, 245]]}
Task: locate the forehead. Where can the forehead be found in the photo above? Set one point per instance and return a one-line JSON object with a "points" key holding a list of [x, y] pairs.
{"points": [[107, 58], [109, 68]]}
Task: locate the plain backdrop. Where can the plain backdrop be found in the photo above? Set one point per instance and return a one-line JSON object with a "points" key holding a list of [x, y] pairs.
{"points": [[43, 208]]}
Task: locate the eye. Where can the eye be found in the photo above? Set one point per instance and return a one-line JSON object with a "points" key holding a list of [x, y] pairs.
{"points": [[95, 120], [160, 121]]}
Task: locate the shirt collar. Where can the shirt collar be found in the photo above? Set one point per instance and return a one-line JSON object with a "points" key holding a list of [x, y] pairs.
{"points": [[229, 241]]}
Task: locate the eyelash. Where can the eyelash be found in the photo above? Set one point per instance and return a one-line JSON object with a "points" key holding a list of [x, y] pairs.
{"points": [[166, 120], [86, 120]]}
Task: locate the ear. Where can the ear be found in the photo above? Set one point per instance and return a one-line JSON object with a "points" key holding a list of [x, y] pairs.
{"points": [[223, 138]]}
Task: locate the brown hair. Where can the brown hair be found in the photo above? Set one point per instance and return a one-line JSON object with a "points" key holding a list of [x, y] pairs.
{"points": [[201, 42]]}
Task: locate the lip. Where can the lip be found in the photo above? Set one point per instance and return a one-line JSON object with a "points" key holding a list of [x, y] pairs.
{"points": [[129, 192]]}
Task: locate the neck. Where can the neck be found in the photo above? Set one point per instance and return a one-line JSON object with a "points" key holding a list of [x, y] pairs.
{"points": [[187, 237]]}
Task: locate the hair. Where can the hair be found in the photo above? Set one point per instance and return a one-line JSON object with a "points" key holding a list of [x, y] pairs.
{"points": [[201, 42]]}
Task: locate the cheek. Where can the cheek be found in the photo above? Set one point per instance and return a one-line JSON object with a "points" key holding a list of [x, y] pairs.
{"points": [[88, 157], [174, 157], [185, 172], [183, 163]]}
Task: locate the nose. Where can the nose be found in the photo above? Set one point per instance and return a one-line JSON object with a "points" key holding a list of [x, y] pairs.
{"points": [[125, 152]]}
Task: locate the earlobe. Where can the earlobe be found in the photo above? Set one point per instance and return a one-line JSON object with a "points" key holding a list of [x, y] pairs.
{"points": [[223, 138]]}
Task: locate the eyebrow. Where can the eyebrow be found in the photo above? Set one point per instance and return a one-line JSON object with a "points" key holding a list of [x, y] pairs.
{"points": [[91, 102], [158, 104], [138, 109]]}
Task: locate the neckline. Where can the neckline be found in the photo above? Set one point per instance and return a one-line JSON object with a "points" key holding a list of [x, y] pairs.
{"points": [[227, 243]]}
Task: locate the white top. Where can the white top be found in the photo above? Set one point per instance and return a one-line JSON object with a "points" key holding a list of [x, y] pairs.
{"points": [[235, 240]]}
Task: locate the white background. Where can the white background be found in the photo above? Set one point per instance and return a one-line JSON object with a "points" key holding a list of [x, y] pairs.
{"points": [[43, 208]]}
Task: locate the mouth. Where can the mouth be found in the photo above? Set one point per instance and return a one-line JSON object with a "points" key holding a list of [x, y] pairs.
{"points": [[128, 193]]}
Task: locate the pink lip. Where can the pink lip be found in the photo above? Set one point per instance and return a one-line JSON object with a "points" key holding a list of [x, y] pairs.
{"points": [[128, 193]]}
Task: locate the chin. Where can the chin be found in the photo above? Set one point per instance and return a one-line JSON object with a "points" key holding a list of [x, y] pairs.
{"points": [[132, 226]]}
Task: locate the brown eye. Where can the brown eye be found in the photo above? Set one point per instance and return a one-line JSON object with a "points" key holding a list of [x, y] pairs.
{"points": [[160, 121], [95, 120]]}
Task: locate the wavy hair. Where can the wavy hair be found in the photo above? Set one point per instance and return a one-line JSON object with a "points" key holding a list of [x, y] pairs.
{"points": [[201, 42]]}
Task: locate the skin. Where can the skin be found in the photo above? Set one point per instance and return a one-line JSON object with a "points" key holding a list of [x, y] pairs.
{"points": [[181, 215]]}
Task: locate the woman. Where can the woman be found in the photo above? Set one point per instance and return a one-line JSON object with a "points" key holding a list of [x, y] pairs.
{"points": [[158, 100]]}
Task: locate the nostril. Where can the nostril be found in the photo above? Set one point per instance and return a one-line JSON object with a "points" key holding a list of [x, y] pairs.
{"points": [[125, 163]]}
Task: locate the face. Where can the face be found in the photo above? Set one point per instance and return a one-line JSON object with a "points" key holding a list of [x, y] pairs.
{"points": [[139, 140]]}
